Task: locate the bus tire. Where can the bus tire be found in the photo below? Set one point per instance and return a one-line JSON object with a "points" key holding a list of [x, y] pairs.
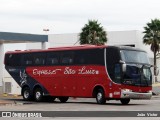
{"points": [[26, 93], [38, 94], [63, 99], [125, 101], [100, 97]]}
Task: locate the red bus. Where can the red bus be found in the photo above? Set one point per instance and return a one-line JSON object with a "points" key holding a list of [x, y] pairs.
{"points": [[87, 71]]}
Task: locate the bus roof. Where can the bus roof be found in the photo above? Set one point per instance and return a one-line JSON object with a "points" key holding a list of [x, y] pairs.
{"points": [[127, 48], [80, 47]]}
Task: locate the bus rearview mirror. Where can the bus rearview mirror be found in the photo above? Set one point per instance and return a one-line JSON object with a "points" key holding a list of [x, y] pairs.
{"points": [[124, 68], [123, 65]]}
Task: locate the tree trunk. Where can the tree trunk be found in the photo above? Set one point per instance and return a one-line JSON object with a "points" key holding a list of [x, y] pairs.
{"points": [[155, 67]]}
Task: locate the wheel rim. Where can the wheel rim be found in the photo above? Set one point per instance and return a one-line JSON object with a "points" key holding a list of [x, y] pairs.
{"points": [[38, 95], [26, 94], [99, 96]]}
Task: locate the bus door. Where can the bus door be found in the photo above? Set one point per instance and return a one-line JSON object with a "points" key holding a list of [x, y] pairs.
{"points": [[114, 70], [117, 77]]}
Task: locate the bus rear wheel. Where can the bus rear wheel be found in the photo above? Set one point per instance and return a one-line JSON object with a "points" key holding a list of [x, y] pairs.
{"points": [[100, 97], [125, 101], [38, 94], [26, 93], [63, 99]]}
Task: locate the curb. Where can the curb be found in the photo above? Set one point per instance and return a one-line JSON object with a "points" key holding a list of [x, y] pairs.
{"points": [[10, 95], [157, 84], [3, 102]]}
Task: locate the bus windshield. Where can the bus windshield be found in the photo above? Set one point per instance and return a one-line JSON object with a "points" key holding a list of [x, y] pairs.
{"points": [[138, 76], [130, 56]]}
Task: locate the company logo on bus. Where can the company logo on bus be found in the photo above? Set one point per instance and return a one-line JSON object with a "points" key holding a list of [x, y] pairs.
{"points": [[23, 77], [45, 72], [66, 71]]}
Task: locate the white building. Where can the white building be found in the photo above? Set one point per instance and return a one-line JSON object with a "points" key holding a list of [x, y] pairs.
{"points": [[10, 86], [133, 38]]}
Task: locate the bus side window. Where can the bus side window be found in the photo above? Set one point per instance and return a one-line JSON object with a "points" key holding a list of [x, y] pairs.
{"points": [[39, 58], [28, 62], [67, 58], [27, 59], [93, 57], [52, 59], [13, 59], [39, 61], [81, 60], [81, 57]]}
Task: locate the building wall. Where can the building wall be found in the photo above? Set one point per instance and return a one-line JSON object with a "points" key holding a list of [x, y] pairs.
{"points": [[15, 88], [33, 46], [57, 40], [1, 65], [121, 37], [139, 38], [1, 89]]}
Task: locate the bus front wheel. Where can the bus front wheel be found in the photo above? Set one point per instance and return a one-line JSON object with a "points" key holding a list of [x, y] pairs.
{"points": [[38, 94], [100, 97], [63, 99], [26, 93], [125, 101]]}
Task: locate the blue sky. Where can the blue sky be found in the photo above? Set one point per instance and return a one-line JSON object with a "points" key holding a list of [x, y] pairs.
{"points": [[69, 16]]}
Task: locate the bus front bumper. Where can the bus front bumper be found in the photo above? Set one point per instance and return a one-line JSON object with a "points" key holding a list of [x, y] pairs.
{"points": [[135, 95]]}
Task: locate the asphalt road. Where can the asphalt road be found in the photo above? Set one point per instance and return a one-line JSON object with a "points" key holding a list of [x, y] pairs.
{"points": [[83, 104], [156, 89]]}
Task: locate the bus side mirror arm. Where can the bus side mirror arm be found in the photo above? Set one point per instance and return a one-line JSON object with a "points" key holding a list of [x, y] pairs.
{"points": [[123, 66]]}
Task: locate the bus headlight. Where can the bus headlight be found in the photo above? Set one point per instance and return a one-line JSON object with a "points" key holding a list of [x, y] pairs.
{"points": [[150, 91], [126, 90]]}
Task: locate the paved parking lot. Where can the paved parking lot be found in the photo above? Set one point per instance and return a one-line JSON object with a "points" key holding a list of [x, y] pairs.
{"points": [[80, 104], [16, 103]]}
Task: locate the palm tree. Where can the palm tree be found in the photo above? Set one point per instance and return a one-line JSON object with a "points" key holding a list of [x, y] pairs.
{"points": [[152, 37], [93, 33]]}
